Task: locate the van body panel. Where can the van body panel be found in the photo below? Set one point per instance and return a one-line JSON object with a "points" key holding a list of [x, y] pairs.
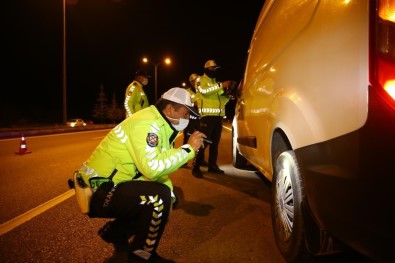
{"points": [[307, 78]]}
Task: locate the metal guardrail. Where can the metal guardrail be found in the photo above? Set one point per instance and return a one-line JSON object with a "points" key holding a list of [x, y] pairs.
{"points": [[35, 131]]}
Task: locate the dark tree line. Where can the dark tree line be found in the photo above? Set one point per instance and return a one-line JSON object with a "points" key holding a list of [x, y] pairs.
{"points": [[104, 112]]}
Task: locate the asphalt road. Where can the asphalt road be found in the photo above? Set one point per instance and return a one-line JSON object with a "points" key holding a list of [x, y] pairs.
{"points": [[220, 218]]}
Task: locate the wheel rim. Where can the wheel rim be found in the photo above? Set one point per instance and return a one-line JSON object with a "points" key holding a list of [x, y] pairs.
{"points": [[284, 201]]}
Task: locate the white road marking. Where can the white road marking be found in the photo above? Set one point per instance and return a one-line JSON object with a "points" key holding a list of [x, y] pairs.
{"points": [[19, 220]]}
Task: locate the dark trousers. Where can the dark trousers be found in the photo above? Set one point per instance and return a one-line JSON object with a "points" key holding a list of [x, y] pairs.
{"points": [[141, 208], [212, 127]]}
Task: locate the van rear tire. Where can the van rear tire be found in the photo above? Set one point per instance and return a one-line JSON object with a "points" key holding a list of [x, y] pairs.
{"points": [[287, 218]]}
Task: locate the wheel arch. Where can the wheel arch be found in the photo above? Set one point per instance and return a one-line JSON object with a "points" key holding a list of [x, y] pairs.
{"points": [[317, 240], [279, 144]]}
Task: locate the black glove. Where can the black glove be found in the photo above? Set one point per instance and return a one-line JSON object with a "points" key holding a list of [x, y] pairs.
{"points": [[231, 89]]}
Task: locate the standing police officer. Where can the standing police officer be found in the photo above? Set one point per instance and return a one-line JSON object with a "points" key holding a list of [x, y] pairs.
{"points": [[135, 97], [194, 122], [213, 99]]}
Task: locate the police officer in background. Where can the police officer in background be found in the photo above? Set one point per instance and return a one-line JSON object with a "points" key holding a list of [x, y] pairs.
{"points": [[213, 98], [135, 97], [194, 122], [134, 161]]}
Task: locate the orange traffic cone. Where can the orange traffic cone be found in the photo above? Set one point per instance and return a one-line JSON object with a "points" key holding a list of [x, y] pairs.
{"points": [[23, 146]]}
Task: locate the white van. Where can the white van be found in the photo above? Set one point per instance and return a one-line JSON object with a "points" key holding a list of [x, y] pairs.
{"points": [[315, 114]]}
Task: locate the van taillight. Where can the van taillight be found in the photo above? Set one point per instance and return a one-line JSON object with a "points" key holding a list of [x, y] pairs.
{"points": [[382, 74]]}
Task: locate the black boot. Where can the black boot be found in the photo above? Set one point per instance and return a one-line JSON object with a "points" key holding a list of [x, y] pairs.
{"points": [[117, 232], [196, 168], [215, 169], [196, 172]]}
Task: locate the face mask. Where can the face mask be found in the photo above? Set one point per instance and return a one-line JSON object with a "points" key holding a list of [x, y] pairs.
{"points": [[182, 123], [211, 73]]}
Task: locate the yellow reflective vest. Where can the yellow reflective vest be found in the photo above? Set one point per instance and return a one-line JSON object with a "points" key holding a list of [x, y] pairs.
{"points": [[135, 98], [144, 143], [212, 101]]}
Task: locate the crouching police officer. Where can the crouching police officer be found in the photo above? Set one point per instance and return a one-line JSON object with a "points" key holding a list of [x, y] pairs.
{"points": [[129, 171]]}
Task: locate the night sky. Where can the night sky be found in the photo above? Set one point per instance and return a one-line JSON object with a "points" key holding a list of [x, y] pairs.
{"points": [[106, 41]]}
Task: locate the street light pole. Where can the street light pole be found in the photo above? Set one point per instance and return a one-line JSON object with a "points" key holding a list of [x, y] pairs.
{"points": [[64, 65], [167, 61]]}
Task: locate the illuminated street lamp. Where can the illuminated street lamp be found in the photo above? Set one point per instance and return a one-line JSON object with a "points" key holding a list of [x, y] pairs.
{"points": [[167, 61]]}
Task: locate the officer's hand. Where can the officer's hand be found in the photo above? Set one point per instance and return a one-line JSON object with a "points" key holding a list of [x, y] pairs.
{"points": [[196, 140], [226, 83], [231, 88]]}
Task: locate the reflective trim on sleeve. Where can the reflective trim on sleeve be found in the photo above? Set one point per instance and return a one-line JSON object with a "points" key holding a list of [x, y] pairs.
{"points": [[120, 134], [210, 110]]}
